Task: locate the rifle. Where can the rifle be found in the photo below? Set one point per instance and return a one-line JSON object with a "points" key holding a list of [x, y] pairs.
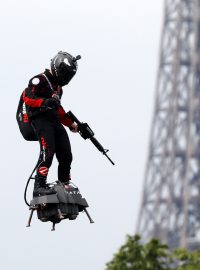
{"points": [[86, 133]]}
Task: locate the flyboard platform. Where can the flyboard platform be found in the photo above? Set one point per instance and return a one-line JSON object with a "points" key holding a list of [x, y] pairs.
{"points": [[67, 203]]}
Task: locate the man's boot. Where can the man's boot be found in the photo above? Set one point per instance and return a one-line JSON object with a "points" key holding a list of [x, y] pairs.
{"points": [[41, 187], [66, 181]]}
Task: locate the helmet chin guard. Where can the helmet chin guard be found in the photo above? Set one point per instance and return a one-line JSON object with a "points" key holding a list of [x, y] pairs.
{"points": [[64, 66]]}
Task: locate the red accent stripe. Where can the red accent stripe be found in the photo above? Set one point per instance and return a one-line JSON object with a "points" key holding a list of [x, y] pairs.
{"points": [[43, 142], [61, 112], [32, 102], [25, 118], [64, 119]]}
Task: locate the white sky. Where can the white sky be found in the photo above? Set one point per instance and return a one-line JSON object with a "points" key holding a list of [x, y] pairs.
{"points": [[113, 91]]}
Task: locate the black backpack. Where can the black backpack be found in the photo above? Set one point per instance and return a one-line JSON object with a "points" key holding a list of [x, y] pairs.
{"points": [[23, 121]]}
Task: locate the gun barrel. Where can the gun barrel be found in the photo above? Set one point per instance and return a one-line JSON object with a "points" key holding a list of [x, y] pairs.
{"points": [[101, 149], [109, 159], [97, 144]]}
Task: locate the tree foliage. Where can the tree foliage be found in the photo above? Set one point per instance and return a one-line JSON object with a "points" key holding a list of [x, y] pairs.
{"points": [[154, 255], [187, 260]]}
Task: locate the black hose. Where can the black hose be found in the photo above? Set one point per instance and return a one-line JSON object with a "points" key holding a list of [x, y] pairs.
{"points": [[28, 181]]}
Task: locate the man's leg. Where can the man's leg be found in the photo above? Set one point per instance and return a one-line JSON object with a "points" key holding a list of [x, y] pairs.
{"points": [[63, 153], [45, 133]]}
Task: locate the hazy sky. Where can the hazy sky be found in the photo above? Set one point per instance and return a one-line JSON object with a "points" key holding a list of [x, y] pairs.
{"points": [[113, 91]]}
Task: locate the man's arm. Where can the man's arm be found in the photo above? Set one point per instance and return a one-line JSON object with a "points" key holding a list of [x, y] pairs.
{"points": [[31, 94], [64, 118], [66, 121], [32, 101]]}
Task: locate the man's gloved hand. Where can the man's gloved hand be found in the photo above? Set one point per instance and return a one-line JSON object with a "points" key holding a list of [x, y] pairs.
{"points": [[51, 102], [74, 127], [56, 97]]}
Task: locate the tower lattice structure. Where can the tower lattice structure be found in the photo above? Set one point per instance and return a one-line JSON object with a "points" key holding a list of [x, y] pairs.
{"points": [[170, 208]]}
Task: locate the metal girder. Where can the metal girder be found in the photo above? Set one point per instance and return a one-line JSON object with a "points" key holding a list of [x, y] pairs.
{"points": [[171, 200]]}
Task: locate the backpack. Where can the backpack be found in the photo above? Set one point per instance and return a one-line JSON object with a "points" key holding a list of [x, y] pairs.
{"points": [[23, 121]]}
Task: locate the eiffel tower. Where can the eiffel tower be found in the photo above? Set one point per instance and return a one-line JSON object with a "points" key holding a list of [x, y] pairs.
{"points": [[170, 208]]}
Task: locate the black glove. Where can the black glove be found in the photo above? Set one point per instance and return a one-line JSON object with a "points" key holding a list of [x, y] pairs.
{"points": [[55, 96], [51, 102]]}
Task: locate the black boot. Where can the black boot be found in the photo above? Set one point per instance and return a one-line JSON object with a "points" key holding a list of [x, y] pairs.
{"points": [[67, 180], [66, 183], [41, 188]]}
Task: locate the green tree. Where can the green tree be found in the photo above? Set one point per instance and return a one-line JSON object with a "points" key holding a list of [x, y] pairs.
{"points": [[156, 255], [152, 256], [135, 256], [187, 260]]}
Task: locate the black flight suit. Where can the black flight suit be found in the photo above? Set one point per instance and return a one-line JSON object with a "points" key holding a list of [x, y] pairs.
{"points": [[48, 120]]}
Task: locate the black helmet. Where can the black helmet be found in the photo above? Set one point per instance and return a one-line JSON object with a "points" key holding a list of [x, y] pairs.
{"points": [[64, 67]]}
